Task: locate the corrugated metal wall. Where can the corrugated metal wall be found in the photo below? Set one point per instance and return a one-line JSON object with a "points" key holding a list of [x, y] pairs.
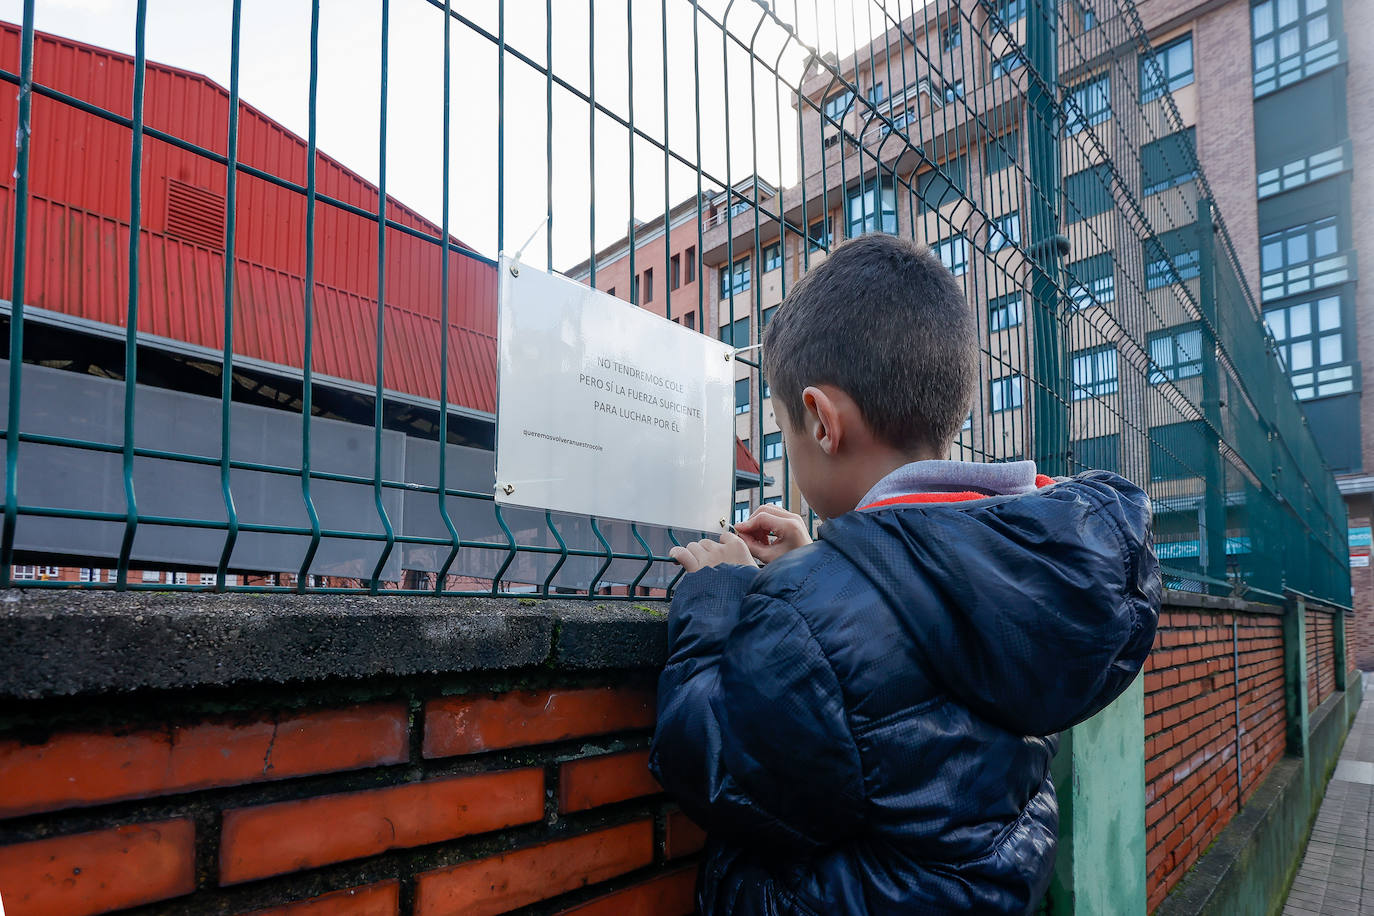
{"points": [[79, 223]]}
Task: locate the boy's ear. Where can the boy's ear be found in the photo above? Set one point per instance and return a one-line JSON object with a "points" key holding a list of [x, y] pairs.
{"points": [[822, 420]]}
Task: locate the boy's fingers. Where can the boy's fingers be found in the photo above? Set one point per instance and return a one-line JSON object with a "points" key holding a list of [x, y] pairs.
{"points": [[685, 558], [734, 549]]}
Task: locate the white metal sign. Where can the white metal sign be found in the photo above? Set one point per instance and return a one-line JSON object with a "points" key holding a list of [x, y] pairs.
{"points": [[606, 409]]}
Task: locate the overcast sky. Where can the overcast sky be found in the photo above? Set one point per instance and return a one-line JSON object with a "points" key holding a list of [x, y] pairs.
{"points": [[275, 69]]}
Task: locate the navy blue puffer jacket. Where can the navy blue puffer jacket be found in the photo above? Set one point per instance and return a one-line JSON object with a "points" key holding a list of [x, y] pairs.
{"points": [[866, 725]]}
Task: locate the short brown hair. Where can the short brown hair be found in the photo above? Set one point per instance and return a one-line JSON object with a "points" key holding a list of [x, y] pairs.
{"points": [[883, 320]]}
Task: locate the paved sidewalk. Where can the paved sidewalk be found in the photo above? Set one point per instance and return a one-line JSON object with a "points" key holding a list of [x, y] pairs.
{"points": [[1337, 873]]}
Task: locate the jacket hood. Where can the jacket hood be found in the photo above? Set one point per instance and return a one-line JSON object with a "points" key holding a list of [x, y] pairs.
{"points": [[1034, 611]]}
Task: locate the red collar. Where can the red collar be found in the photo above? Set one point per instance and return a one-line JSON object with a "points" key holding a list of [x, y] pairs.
{"points": [[906, 499]]}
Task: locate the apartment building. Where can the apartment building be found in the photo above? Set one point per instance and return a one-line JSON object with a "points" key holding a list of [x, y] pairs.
{"points": [[1259, 86]]}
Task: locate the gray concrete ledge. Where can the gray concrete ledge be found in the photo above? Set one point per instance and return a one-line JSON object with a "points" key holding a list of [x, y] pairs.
{"points": [[1178, 599], [65, 643]]}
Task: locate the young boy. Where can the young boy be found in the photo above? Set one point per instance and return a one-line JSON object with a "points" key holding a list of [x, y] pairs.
{"points": [[865, 725]]}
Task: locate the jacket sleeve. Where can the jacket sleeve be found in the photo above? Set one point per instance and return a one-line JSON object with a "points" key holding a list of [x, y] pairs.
{"points": [[752, 737]]}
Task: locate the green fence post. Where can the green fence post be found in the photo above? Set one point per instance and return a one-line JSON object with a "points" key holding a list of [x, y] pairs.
{"points": [[1100, 777], [1295, 671], [1049, 394], [1212, 523]]}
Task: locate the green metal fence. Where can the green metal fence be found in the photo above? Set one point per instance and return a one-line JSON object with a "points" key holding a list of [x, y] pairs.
{"points": [[1036, 146]]}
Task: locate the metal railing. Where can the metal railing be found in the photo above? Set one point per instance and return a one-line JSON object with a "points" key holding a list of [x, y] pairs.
{"points": [[332, 430]]}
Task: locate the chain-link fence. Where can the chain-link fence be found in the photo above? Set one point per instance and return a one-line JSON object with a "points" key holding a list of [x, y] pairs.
{"points": [[240, 358]]}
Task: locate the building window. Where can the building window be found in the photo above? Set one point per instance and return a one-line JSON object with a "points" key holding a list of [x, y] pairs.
{"points": [[953, 253], [943, 185], [768, 315], [736, 280], [1087, 193], [1092, 104], [1092, 281], [1172, 257], [968, 423], [772, 446], [736, 334], [741, 512], [953, 37], [23, 572], [818, 235], [767, 391], [89, 575], [1177, 450], [151, 576], [741, 396], [675, 271], [689, 320], [1088, 18], [648, 284], [1175, 353], [1168, 162], [1310, 341], [634, 290], [1094, 372], [207, 578], [1101, 453], [1302, 171], [837, 104], [1009, 62], [773, 501], [1005, 393], [745, 444], [878, 93], [611, 291], [738, 207], [1005, 312], [954, 90], [176, 578], [1009, 10], [1003, 231], [772, 256], [863, 205], [1302, 258], [691, 259], [1175, 71], [1293, 39], [1000, 152]]}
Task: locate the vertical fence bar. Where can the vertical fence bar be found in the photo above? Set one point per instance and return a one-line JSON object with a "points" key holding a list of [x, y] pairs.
{"points": [[24, 139], [1049, 403], [308, 350], [548, 131], [591, 142], [1235, 666], [131, 316], [441, 577], [378, 415], [230, 228], [1212, 530]]}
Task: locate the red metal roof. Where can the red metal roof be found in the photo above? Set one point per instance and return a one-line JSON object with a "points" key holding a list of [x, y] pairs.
{"points": [[78, 228], [744, 462]]}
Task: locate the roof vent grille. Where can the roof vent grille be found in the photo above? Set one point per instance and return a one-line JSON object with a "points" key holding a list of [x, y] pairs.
{"points": [[195, 215]]}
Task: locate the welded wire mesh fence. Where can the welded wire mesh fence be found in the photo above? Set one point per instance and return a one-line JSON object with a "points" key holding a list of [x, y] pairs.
{"points": [[236, 364]]}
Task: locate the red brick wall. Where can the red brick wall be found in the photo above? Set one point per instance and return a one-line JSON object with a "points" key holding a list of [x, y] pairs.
{"points": [[1190, 730], [476, 802], [1321, 658]]}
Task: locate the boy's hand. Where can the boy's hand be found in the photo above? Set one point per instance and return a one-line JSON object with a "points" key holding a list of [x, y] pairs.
{"points": [[730, 549], [772, 531]]}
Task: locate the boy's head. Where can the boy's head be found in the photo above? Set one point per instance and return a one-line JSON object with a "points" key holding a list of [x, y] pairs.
{"points": [[872, 361]]}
